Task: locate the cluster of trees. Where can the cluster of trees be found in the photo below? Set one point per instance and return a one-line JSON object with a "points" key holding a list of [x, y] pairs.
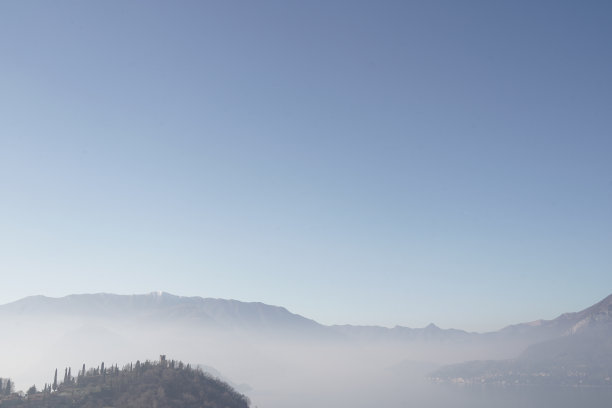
{"points": [[163, 383], [6, 386]]}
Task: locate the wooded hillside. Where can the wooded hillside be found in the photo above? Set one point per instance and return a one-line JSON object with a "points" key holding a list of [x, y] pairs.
{"points": [[159, 384]]}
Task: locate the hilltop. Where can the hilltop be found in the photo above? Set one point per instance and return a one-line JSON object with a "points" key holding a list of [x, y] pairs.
{"points": [[162, 383]]}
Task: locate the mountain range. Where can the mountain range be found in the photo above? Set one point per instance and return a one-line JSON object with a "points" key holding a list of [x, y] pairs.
{"points": [[225, 314], [255, 343]]}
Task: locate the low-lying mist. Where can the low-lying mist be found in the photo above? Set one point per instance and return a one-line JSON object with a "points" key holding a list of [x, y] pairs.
{"points": [[299, 372], [279, 361]]}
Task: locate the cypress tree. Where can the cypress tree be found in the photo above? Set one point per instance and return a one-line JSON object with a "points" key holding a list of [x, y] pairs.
{"points": [[55, 381]]}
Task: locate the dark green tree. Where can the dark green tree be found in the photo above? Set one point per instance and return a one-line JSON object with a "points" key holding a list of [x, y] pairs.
{"points": [[55, 381]]}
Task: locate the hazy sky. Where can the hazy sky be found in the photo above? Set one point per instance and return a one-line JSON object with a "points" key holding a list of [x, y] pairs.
{"points": [[371, 162]]}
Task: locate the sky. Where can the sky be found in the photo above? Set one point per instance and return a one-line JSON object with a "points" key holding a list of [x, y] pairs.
{"points": [[359, 162]]}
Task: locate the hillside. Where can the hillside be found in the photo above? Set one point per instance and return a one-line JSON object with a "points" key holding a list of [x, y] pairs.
{"points": [[577, 361], [159, 384], [579, 355]]}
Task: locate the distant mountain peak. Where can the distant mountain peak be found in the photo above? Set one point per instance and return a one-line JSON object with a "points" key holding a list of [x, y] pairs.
{"points": [[161, 294], [159, 306], [600, 314]]}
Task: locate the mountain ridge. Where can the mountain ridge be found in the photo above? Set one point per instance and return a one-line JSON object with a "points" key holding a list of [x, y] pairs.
{"points": [[235, 313], [574, 349]]}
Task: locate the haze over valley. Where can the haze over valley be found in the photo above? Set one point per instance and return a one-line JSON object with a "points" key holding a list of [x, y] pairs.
{"points": [[278, 358]]}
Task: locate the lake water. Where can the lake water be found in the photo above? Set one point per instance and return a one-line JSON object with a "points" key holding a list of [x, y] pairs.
{"points": [[426, 395], [445, 396]]}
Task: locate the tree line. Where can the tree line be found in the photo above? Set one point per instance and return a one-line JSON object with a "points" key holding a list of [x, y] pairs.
{"points": [[167, 383]]}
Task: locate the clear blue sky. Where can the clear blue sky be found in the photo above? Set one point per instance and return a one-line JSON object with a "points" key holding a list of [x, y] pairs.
{"points": [[368, 162]]}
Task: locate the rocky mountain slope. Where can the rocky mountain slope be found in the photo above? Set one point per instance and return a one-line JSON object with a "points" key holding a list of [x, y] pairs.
{"points": [[577, 352]]}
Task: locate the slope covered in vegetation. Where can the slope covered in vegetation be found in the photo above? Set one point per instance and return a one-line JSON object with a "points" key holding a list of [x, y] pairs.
{"points": [[160, 384]]}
